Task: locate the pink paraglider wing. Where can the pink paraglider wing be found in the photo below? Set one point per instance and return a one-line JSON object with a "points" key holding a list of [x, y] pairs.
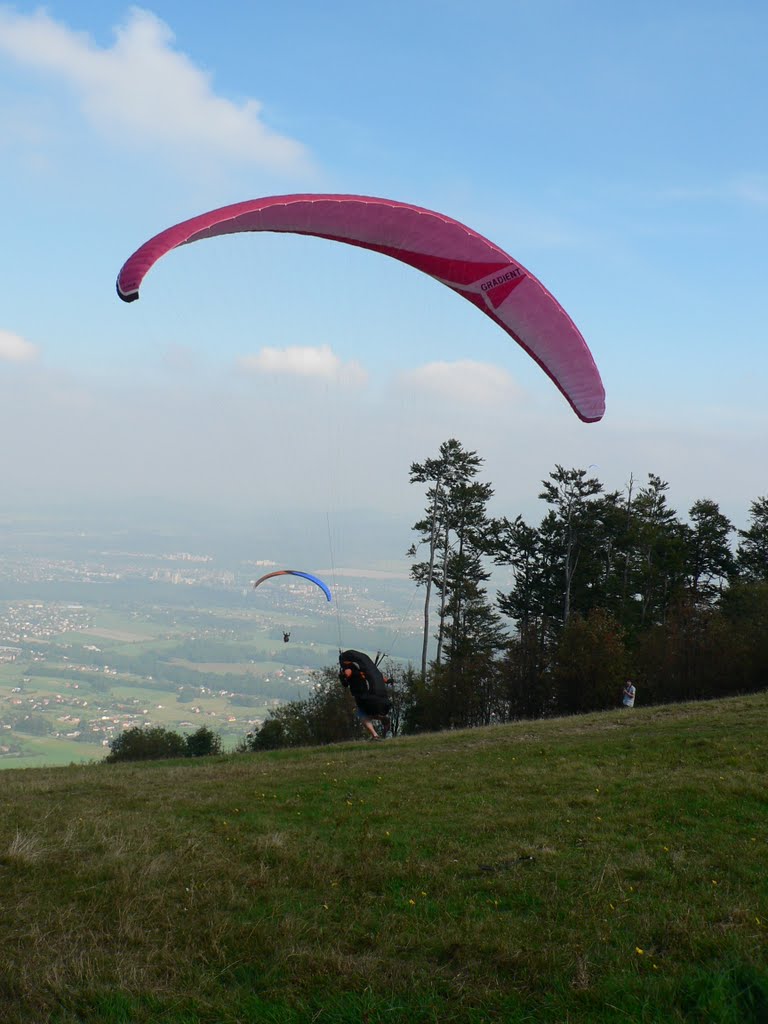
{"points": [[448, 251]]}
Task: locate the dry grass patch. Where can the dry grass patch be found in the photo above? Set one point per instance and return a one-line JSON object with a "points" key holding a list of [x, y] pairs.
{"points": [[26, 848]]}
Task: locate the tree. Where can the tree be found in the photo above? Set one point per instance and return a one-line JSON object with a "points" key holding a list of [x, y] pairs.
{"points": [[402, 682], [519, 546], [745, 608], [472, 626], [591, 663], [614, 551], [752, 552], [526, 684], [452, 468], [271, 735], [709, 559], [691, 655], [658, 573], [556, 568], [203, 743], [571, 525]]}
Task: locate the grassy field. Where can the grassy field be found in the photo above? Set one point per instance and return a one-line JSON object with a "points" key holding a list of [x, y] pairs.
{"points": [[604, 868], [38, 752]]}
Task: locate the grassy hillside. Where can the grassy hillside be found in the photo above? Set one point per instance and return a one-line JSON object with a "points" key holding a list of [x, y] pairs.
{"points": [[610, 867]]}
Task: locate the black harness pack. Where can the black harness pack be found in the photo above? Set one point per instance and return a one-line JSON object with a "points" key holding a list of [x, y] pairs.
{"points": [[365, 681]]}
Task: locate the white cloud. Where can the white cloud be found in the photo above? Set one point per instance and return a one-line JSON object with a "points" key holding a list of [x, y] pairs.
{"points": [[15, 349], [464, 381], [303, 361], [144, 91]]}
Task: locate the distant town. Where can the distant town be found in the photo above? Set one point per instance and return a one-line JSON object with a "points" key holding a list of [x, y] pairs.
{"points": [[94, 645]]}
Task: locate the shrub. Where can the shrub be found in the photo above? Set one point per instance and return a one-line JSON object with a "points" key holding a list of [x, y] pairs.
{"points": [[325, 716], [271, 736], [203, 743], [150, 743]]}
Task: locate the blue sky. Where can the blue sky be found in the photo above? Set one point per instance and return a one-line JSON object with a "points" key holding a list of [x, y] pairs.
{"points": [[619, 151]]}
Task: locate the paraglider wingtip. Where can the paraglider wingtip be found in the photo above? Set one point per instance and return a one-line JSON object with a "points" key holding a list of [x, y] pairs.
{"points": [[126, 296], [593, 416]]}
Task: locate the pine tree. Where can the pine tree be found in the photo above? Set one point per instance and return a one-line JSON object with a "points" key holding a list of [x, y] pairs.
{"points": [[658, 574], [752, 553], [710, 561], [571, 525], [453, 467]]}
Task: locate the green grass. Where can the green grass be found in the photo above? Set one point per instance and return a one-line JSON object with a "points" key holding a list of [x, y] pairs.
{"points": [[610, 867], [10, 673], [47, 751]]}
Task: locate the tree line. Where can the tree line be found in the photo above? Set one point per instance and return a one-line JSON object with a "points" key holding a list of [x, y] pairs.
{"points": [[610, 585]]}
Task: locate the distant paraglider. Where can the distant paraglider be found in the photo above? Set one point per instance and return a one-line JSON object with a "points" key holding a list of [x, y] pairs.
{"points": [[445, 249], [295, 572]]}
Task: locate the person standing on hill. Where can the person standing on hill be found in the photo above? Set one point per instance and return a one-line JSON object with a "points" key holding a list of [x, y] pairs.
{"points": [[368, 686], [628, 695]]}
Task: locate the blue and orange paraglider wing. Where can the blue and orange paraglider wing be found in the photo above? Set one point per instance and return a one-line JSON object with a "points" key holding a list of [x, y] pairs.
{"points": [[295, 572]]}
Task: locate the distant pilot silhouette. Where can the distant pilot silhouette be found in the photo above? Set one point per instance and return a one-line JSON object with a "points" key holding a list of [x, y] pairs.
{"points": [[286, 637]]}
